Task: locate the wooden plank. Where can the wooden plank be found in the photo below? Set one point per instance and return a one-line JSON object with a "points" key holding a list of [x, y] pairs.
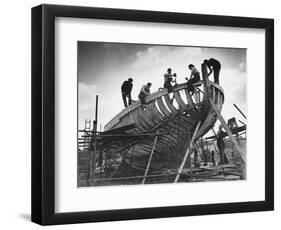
{"points": [[187, 152], [121, 129], [156, 116], [189, 119], [149, 160], [145, 120], [132, 118]]}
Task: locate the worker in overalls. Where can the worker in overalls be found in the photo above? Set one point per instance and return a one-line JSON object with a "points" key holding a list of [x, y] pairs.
{"points": [[220, 144]]}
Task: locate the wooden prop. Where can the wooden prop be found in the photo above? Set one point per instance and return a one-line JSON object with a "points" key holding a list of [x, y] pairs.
{"points": [[187, 152]]}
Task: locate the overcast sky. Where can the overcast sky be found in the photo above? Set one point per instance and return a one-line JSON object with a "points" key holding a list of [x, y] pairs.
{"points": [[103, 67]]}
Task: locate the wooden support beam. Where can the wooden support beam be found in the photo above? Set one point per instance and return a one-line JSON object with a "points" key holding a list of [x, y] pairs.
{"points": [[198, 150], [240, 111], [93, 162], [229, 133], [189, 99], [196, 95], [187, 152], [94, 148], [149, 160]]}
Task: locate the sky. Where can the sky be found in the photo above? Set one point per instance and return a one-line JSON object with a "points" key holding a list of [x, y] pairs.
{"points": [[103, 67]]}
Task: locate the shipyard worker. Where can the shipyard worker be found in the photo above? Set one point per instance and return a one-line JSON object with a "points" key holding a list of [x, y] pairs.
{"points": [[220, 143], [168, 79], [144, 92], [126, 90], [194, 77], [215, 67]]}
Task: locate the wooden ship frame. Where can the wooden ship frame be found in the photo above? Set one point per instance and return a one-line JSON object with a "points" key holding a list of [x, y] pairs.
{"points": [[158, 143]]}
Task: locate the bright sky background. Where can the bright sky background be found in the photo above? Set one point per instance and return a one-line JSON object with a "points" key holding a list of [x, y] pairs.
{"points": [[103, 67]]}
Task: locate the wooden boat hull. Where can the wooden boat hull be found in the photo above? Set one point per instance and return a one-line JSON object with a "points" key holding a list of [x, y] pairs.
{"points": [[167, 123]]}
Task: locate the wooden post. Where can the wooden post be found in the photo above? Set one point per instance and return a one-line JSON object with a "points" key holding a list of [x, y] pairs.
{"points": [[93, 158], [199, 151], [240, 111], [189, 155], [149, 160], [206, 79], [132, 154], [96, 117], [187, 152], [94, 148], [229, 133], [178, 139], [196, 95]]}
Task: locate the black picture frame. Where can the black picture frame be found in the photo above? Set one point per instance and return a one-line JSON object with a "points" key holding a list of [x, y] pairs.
{"points": [[43, 114]]}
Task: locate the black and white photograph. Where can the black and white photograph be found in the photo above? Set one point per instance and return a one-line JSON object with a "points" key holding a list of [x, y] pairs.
{"points": [[154, 113]]}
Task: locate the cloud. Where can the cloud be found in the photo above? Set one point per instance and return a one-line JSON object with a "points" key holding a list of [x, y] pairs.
{"points": [[242, 67], [234, 83], [86, 93], [159, 55], [106, 108], [103, 70]]}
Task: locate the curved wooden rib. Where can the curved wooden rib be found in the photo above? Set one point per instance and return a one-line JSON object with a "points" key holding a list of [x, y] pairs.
{"points": [[180, 101], [189, 99], [162, 107], [169, 104]]}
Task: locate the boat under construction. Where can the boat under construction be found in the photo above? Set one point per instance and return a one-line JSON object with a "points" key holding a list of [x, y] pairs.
{"points": [[163, 141]]}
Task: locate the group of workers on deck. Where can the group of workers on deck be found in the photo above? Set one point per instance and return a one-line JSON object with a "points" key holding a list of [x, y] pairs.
{"points": [[213, 65]]}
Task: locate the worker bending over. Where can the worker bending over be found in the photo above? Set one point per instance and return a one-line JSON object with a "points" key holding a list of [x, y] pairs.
{"points": [[214, 66], [144, 92]]}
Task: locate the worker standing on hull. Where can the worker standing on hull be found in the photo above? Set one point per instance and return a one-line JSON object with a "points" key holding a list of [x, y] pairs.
{"points": [[168, 79], [220, 144], [126, 90], [214, 66]]}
